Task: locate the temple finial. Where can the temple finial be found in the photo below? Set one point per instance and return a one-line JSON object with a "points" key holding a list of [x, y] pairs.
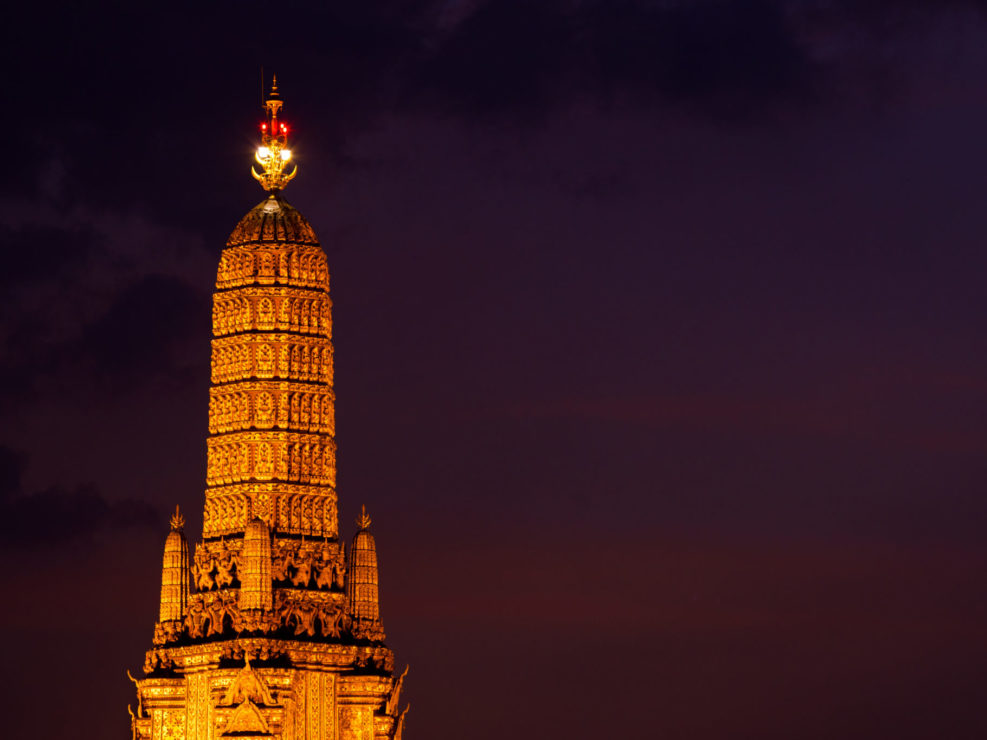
{"points": [[362, 578], [273, 154], [177, 520], [174, 578]]}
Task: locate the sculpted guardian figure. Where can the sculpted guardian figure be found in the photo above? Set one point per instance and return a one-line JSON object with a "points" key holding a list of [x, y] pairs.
{"points": [[202, 570]]}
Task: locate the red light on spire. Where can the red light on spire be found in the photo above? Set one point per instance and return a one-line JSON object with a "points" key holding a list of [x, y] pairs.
{"points": [[273, 154]]}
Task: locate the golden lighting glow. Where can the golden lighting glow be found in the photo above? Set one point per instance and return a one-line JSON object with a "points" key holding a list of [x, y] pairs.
{"points": [[273, 628], [273, 154]]}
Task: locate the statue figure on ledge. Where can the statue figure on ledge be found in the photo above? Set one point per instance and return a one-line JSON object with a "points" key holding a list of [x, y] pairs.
{"points": [[194, 620], [325, 568], [281, 561], [302, 563], [333, 619], [339, 567], [202, 569], [226, 563]]}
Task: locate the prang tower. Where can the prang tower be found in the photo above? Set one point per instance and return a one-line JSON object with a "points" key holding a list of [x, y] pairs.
{"points": [[272, 629]]}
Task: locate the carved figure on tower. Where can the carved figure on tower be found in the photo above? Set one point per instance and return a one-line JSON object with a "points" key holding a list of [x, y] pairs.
{"points": [[281, 636]]}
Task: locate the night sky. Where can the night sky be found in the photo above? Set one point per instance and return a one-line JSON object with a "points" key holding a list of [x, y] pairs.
{"points": [[660, 359]]}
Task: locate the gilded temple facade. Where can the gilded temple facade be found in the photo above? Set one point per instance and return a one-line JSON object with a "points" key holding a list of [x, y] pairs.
{"points": [[271, 628]]}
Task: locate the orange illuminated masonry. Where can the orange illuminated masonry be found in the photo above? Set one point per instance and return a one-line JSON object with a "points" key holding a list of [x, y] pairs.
{"points": [[271, 629]]}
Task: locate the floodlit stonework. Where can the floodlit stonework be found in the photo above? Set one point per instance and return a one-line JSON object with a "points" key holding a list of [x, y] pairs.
{"points": [[271, 628]]}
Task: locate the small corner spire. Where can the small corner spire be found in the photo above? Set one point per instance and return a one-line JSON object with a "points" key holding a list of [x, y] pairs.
{"points": [[177, 520]]}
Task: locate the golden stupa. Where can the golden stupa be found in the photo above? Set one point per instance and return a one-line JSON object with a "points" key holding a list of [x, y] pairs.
{"points": [[269, 630]]}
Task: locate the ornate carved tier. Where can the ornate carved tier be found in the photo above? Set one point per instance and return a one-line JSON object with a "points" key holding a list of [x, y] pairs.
{"points": [[272, 309], [303, 509], [267, 356], [272, 449], [262, 404]]}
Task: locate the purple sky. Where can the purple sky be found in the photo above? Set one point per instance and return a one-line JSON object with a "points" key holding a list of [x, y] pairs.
{"points": [[660, 362]]}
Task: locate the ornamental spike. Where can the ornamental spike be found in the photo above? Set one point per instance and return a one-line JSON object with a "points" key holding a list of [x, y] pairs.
{"points": [[177, 520], [174, 572], [363, 521], [273, 154]]}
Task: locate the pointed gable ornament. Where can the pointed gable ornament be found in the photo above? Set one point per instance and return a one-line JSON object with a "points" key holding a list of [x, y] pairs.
{"points": [[248, 686], [247, 722]]}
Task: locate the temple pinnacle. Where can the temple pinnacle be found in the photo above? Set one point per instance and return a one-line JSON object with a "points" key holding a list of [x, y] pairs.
{"points": [[273, 154], [302, 616], [177, 520], [363, 521]]}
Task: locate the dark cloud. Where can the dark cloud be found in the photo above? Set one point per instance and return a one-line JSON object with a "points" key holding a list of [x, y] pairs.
{"points": [[153, 330], [12, 466], [34, 253], [722, 55], [507, 54], [143, 330], [481, 62], [520, 56], [477, 60], [57, 514]]}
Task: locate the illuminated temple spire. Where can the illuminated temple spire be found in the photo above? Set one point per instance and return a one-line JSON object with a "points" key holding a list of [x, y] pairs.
{"points": [[269, 588], [174, 572], [361, 584], [255, 580], [272, 450]]}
